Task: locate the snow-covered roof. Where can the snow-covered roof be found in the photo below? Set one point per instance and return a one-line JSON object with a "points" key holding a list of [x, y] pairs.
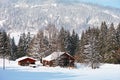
{"points": [[22, 58], [53, 56]]}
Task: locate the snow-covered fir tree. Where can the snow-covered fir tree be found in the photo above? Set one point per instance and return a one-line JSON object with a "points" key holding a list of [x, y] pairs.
{"points": [[103, 40], [112, 45], [91, 53], [24, 42], [118, 35], [4, 44]]}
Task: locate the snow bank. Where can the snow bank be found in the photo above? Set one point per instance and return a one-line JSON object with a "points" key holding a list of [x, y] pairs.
{"points": [[8, 63]]}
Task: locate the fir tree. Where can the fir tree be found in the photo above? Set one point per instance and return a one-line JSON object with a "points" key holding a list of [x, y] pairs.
{"points": [[102, 40], [80, 55], [13, 49], [4, 44], [112, 45], [118, 35], [91, 52], [61, 39], [22, 46], [39, 44], [73, 43]]}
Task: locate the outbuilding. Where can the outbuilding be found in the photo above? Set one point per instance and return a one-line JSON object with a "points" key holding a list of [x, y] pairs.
{"points": [[62, 59], [25, 61]]}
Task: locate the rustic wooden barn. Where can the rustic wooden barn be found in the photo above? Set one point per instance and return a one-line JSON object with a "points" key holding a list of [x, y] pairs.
{"points": [[62, 59], [25, 61]]}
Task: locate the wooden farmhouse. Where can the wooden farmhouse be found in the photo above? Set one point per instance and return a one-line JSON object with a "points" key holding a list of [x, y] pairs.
{"points": [[25, 61], [62, 59]]}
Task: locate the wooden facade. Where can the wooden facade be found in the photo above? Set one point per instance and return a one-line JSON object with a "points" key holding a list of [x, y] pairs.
{"points": [[26, 61], [63, 60]]}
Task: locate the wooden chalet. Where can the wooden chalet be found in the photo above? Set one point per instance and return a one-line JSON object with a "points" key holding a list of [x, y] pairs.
{"points": [[25, 61], [62, 59]]}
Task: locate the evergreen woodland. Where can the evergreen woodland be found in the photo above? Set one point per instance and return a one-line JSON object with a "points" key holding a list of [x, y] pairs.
{"points": [[95, 46]]}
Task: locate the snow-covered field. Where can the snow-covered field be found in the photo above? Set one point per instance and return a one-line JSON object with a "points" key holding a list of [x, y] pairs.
{"points": [[16, 72]]}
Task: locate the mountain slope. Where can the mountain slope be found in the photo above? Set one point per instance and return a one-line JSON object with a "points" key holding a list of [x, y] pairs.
{"points": [[31, 15]]}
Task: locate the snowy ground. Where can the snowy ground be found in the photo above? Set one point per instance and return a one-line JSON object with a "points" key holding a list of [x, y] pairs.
{"points": [[16, 72]]}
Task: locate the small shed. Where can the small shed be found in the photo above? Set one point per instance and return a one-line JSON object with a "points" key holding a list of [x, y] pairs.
{"points": [[62, 59], [25, 61]]}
